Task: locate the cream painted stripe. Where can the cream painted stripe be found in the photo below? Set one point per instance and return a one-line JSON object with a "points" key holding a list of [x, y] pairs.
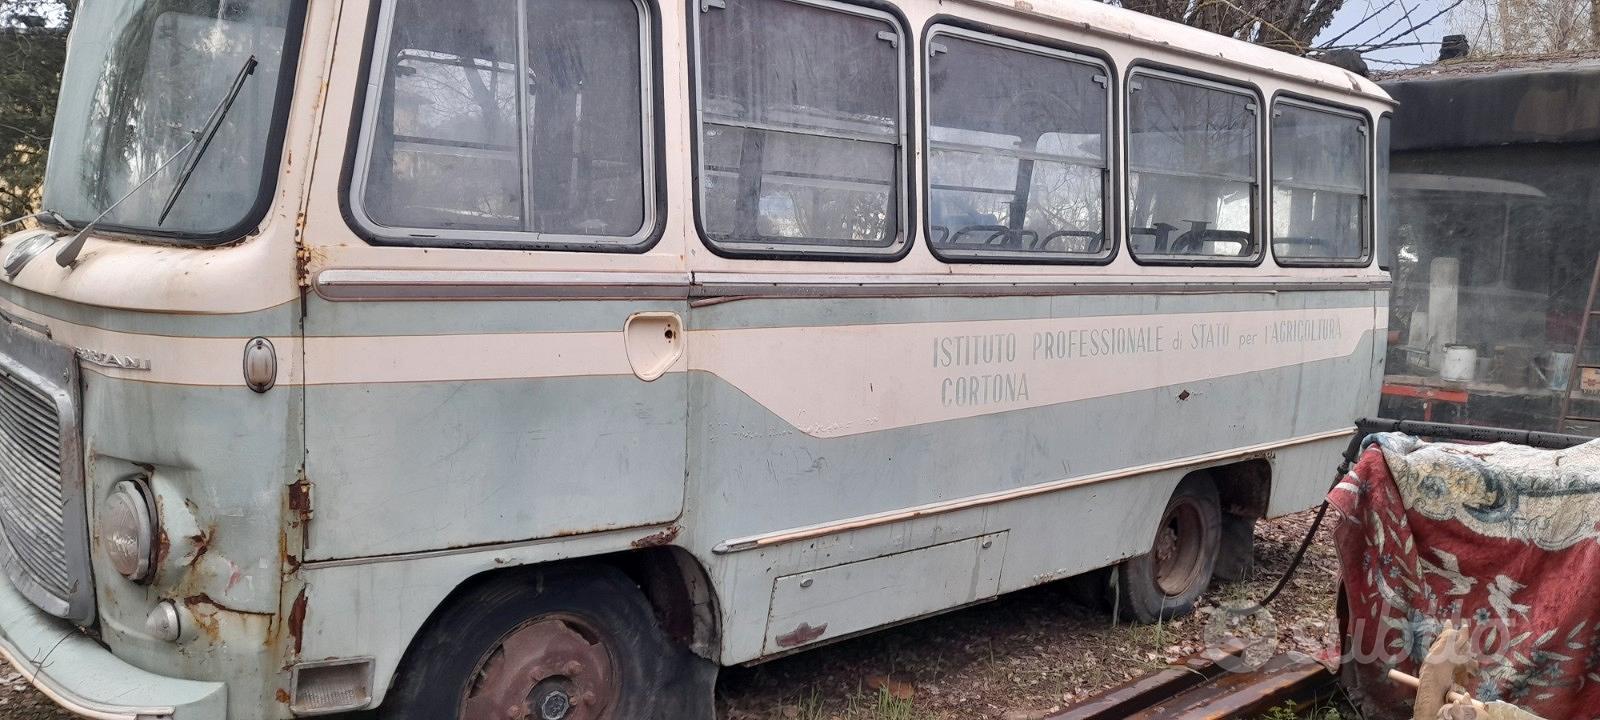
{"points": [[776, 367], [349, 360], [875, 377], [354, 360], [839, 381], [812, 532], [172, 360]]}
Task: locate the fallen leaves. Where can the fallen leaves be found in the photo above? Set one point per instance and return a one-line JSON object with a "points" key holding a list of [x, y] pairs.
{"points": [[1024, 657]]}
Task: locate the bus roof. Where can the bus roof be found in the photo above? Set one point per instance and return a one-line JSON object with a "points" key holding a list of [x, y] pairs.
{"points": [[1096, 17]]}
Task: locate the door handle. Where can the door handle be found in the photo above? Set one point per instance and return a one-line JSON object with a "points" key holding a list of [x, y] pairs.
{"points": [[654, 341]]}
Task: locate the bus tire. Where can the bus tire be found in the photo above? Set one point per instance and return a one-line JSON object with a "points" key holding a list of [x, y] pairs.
{"points": [[1166, 582], [576, 645]]}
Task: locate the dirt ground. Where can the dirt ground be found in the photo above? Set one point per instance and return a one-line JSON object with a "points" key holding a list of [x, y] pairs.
{"points": [[1022, 657], [19, 701]]}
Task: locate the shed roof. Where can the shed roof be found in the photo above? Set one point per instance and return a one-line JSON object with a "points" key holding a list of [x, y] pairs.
{"points": [[1497, 101]]}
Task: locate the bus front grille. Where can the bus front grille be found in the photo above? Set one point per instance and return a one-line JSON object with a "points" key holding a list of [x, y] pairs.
{"points": [[45, 552], [32, 509]]}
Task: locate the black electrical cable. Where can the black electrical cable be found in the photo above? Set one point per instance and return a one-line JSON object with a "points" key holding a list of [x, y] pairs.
{"points": [[1311, 535], [1299, 556]]}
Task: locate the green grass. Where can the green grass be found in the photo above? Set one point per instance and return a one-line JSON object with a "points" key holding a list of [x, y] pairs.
{"points": [[1290, 711], [860, 706]]}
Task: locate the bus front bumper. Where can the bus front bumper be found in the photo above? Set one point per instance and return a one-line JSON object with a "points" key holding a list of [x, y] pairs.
{"points": [[84, 677]]}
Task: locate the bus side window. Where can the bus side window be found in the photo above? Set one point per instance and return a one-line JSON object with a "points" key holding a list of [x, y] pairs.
{"points": [[507, 123], [800, 128], [1319, 185], [1017, 151], [1193, 176]]}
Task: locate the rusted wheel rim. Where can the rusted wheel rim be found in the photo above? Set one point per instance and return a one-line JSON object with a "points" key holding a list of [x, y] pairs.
{"points": [[1177, 549], [556, 667]]}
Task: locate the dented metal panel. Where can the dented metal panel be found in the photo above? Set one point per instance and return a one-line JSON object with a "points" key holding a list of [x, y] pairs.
{"points": [[839, 601]]}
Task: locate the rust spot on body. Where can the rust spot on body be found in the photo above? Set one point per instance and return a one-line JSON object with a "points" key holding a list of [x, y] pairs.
{"points": [[202, 544], [283, 696], [207, 620], [665, 537], [297, 621], [802, 635], [163, 547], [203, 599]]}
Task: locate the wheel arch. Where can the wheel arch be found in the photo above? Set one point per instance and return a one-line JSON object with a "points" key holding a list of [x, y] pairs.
{"points": [[672, 580], [1245, 487]]}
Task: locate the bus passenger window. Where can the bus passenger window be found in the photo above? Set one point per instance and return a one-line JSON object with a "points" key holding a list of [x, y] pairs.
{"points": [[800, 137], [507, 123], [1193, 170], [1016, 151], [1319, 185]]}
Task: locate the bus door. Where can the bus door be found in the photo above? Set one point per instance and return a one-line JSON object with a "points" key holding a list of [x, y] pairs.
{"points": [[493, 355]]}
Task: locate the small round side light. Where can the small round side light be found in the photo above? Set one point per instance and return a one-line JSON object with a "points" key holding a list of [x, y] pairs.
{"points": [[260, 365], [164, 623]]}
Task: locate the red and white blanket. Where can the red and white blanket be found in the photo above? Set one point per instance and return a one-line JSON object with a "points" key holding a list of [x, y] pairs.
{"points": [[1501, 538]]}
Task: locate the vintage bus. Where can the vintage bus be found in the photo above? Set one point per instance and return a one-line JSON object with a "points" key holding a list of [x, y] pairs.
{"points": [[535, 358]]}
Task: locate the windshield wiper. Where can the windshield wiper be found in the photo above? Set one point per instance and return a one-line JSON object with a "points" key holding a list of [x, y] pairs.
{"points": [[199, 140], [50, 215], [206, 135]]}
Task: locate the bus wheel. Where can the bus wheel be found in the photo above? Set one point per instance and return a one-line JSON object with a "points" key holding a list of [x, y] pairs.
{"points": [[1165, 582], [548, 646]]}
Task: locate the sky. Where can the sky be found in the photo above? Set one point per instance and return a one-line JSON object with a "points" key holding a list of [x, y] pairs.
{"points": [[1395, 14]]}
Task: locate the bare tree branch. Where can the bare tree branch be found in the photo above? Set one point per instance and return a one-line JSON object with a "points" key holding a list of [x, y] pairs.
{"points": [[1289, 25]]}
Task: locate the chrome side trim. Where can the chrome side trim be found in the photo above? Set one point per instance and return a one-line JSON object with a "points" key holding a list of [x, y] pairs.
{"points": [[713, 292], [362, 284], [345, 285], [73, 703], [812, 532], [25, 323]]}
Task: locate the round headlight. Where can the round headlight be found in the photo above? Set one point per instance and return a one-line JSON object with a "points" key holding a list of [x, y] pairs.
{"points": [[127, 530]]}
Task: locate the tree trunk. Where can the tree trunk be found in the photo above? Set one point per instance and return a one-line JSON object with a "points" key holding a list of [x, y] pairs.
{"points": [[1594, 24]]}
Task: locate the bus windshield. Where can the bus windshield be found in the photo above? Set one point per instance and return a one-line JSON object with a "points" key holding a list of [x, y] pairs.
{"points": [[142, 77]]}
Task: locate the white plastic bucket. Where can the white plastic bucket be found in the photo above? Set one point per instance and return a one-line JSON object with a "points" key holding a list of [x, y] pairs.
{"points": [[1460, 363], [1560, 371]]}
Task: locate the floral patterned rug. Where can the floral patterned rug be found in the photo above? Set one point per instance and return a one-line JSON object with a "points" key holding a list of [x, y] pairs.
{"points": [[1501, 539]]}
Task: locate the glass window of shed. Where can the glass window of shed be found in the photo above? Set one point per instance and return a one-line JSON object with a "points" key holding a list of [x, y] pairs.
{"points": [[1319, 185], [508, 123], [1193, 173], [800, 130], [1016, 152], [1382, 218]]}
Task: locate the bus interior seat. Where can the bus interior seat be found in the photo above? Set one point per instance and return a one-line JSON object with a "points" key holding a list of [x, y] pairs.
{"points": [[1199, 242], [1074, 241]]}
